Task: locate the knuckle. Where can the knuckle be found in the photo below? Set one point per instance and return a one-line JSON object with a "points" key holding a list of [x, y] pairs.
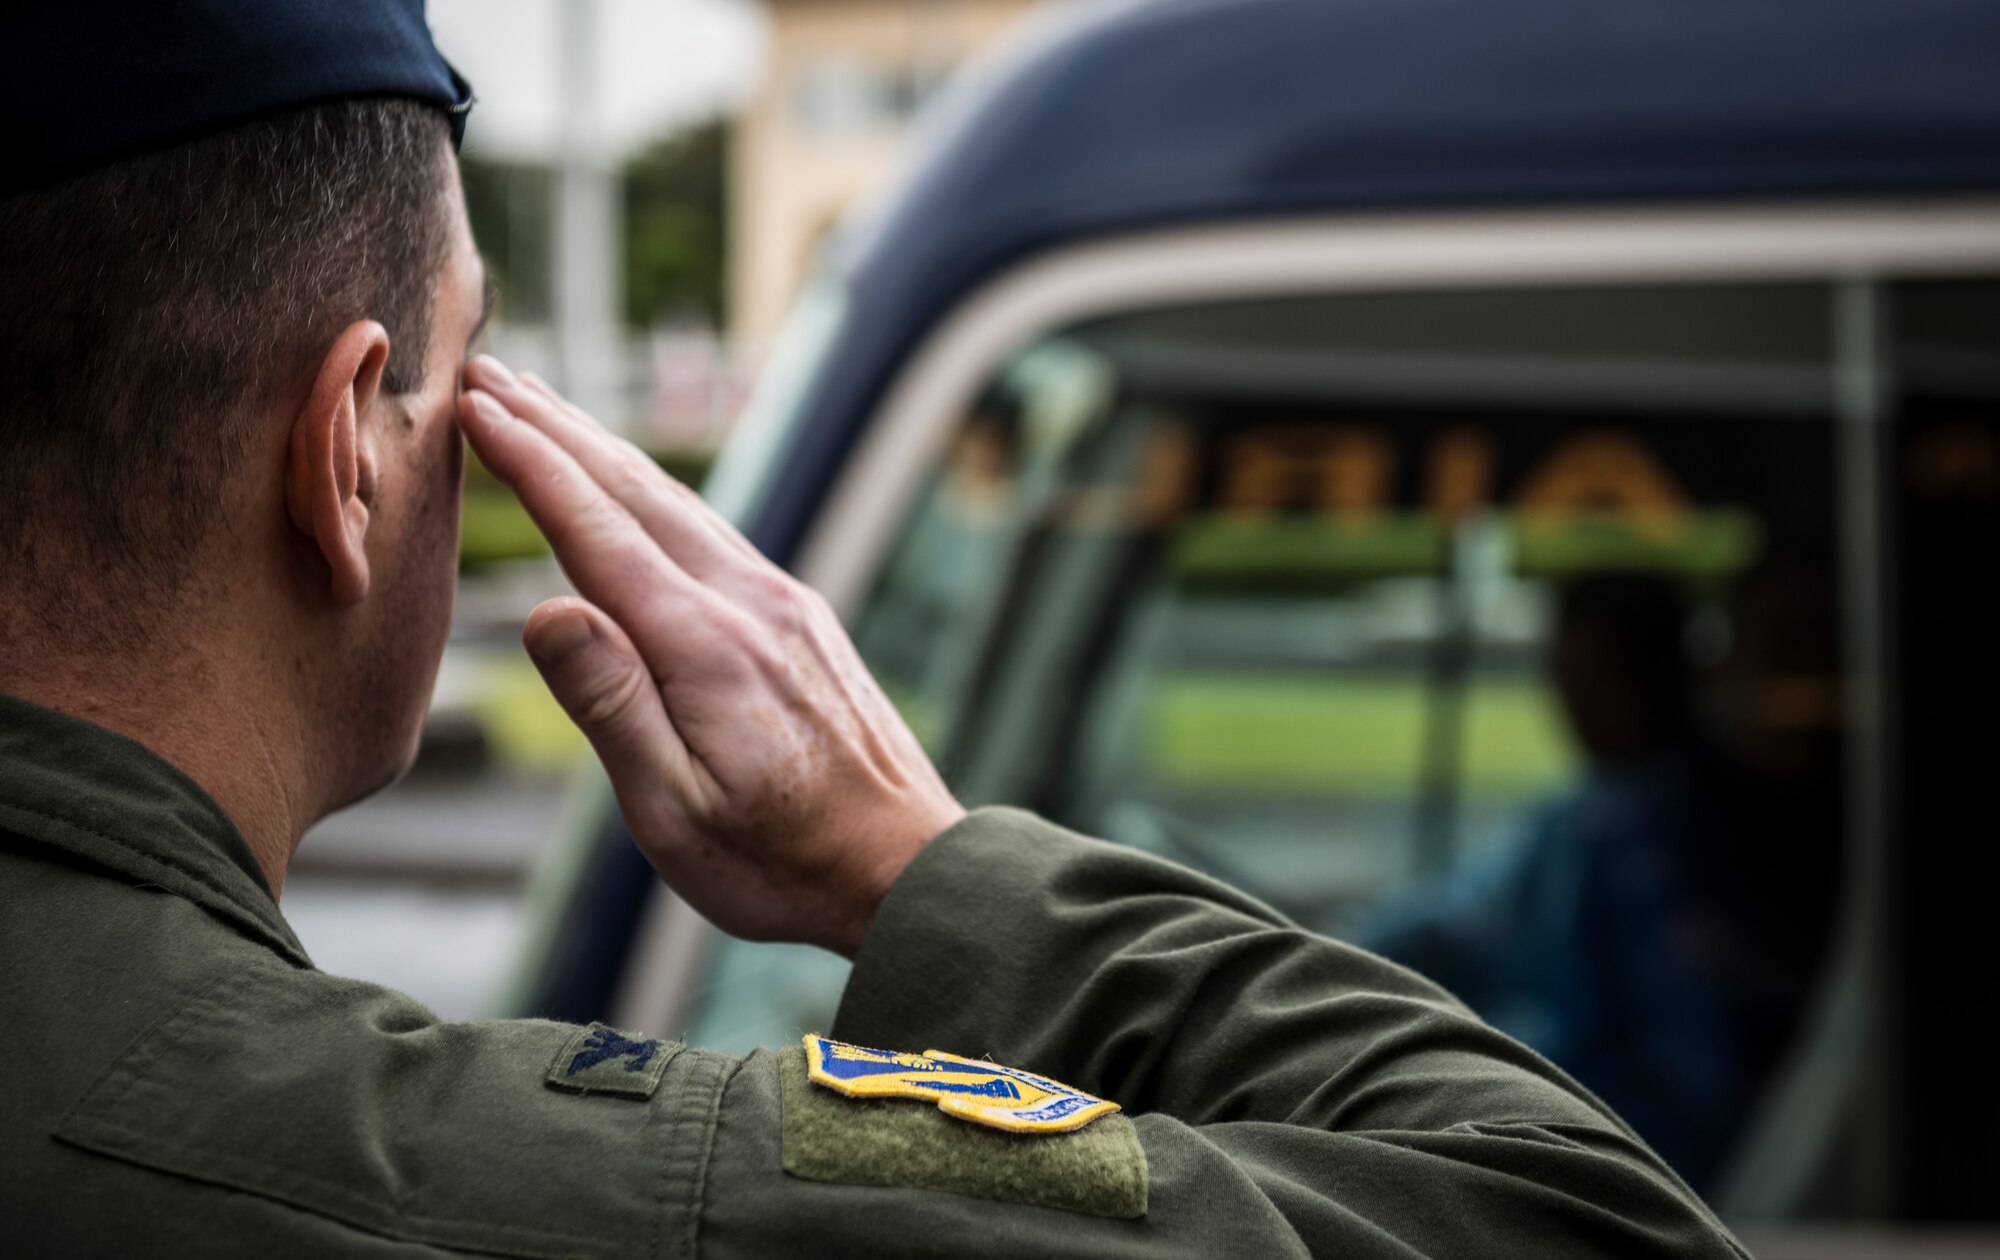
{"points": [[756, 636], [610, 700], [784, 604], [731, 633], [633, 454], [590, 519], [773, 587], [632, 474], [627, 487], [599, 520], [818, 608]]}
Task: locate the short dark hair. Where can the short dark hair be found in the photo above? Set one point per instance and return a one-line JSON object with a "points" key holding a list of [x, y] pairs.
{"points": [[151, 310]]}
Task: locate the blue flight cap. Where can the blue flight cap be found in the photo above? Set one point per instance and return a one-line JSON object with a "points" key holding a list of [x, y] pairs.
{"points": [[88, 83]]}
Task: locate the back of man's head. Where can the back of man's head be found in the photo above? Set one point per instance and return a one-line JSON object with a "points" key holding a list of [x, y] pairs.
{"points": [[1620, 665], [236, 280], [157, 309]]}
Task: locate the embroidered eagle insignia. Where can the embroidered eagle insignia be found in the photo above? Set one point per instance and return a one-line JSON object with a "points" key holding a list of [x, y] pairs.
{"points": [[603, 1044], [601, 1060]]}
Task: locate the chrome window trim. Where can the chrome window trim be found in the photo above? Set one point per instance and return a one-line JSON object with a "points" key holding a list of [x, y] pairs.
{"points": [[1301, 256]]}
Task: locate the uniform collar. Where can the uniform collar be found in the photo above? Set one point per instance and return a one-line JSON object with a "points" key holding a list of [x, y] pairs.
{"points": [[81, 789]]}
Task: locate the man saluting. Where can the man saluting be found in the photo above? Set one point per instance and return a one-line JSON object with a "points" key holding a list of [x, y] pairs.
{"points": [[238, 293]]}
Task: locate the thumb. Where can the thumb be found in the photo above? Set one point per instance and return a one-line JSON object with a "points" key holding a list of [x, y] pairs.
{"points": [[602, 683]]}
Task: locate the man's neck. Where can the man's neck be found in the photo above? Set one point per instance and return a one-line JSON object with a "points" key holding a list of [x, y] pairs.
{"points": [[203, 719]]}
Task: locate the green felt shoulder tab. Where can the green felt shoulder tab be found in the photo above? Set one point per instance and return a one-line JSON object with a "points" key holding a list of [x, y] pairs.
{"points": [[1099, 1169], [602, 1060]]}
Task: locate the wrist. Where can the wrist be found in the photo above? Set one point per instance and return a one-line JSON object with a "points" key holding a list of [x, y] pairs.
{"points": [[886, 864]]}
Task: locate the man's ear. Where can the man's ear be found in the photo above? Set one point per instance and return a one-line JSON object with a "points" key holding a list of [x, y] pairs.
{"points": [[332, 466]]}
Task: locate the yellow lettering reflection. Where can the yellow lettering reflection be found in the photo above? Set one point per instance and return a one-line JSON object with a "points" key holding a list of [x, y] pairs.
{"points": [[1603, 472], [1342, 472]]}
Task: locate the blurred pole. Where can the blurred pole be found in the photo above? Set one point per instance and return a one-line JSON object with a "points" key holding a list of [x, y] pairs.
{"points": [[585, 284], [1826, 1142], [1872, 1033], [1476, 561]]}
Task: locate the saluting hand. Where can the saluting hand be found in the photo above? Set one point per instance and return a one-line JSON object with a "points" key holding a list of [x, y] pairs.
{"points": [[758, 764]]}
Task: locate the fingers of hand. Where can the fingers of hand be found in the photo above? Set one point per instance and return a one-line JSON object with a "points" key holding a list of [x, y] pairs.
{"points": [[613, 562], [677, 518], [724, 698], [604, 684], [687, 497]]}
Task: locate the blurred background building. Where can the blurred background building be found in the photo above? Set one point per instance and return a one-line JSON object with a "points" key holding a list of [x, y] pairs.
{"points": [[821, 131]]}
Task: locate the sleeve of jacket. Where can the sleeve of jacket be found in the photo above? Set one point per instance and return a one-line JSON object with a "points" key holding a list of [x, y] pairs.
{"points": [[1292, 1095]]}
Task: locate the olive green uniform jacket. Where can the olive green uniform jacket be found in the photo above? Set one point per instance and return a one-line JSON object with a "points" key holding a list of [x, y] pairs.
{"points": [[181, 1081]]}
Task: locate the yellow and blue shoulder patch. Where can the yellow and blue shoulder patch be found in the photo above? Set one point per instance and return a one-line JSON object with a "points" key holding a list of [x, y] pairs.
{"points": [[851, 1117], [970, 1089]]}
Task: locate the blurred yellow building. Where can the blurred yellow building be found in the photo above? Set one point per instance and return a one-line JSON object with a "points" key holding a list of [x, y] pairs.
{"points": [[825, 125]]}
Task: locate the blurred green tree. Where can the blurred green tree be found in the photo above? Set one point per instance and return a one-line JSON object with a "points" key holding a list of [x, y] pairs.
{"points": [[675, 233], [674, 228], [511, 206]]}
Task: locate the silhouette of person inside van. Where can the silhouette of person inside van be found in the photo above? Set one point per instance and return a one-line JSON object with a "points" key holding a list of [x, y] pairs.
{"points": [[1656, 931]]}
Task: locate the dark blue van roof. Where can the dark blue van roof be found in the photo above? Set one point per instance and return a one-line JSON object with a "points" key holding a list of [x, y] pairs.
{"points": [[1122, 116]]}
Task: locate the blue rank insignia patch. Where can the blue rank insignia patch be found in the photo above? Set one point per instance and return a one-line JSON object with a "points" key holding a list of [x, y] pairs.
{"points": [[601, 1060], [971, 1089]]}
